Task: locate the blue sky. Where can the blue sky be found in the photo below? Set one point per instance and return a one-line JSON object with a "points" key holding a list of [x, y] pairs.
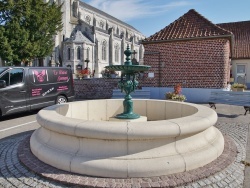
{"points": [[150, 16]]}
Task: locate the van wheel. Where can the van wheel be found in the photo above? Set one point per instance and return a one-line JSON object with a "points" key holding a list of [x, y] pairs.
{"points": [[61, 99]]}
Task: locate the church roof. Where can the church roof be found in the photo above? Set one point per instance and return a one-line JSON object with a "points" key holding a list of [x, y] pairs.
{"points": [[241, 31], [106, 15], [190, 25], [78, 37]]}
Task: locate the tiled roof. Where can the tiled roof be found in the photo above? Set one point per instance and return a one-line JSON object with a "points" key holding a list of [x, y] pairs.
{"points": [[190, 25], [78, 37], [241, 31]]}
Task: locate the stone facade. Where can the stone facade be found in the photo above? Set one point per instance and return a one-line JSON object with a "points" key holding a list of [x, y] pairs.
{"points": [[89, 33]]}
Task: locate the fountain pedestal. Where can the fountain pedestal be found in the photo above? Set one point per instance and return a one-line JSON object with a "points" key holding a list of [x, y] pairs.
{"points": [[127, 84], [140, 119]]}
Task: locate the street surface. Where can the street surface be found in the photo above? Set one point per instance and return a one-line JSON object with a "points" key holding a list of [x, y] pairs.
{"points": [[17, 123]]}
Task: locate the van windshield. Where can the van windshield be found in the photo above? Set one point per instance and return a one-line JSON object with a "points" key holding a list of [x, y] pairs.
{"points": [[2, 69]]}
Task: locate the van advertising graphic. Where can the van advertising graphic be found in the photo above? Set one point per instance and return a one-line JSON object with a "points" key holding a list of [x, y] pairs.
{"points": [[36, 92], [43, 78], [40, 75], [62, 75], [47, 92], [62, 88]]}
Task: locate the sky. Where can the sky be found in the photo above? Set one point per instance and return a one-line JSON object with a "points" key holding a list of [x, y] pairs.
{"points": [[150, 16]]}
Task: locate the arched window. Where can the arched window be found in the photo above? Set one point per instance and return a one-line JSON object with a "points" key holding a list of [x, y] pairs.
{"points": [[116, 53], [104, 50], [88, 53], [122, 34], [68, 53], [78, 53], [117, 31]]}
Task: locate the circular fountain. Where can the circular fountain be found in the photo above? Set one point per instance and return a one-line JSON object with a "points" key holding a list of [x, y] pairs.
{"points": [[79, 136]]}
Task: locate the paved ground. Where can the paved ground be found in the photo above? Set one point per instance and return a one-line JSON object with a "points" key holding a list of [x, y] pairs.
{"points": [[231, 122]]}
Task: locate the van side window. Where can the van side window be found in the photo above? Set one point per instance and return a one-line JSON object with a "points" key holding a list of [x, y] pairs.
{"points": [[6, 77], [16, 76]]}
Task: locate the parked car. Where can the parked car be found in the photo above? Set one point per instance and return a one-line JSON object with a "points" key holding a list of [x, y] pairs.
{"points": [[30, 88]]}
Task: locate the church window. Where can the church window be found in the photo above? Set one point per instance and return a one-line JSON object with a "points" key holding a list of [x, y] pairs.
{"points": [[104, 50], [88, 53], [78, 53], [88, 19], [122, 33], [117, 31], [68, 53], [116, 53], [101, 24]]}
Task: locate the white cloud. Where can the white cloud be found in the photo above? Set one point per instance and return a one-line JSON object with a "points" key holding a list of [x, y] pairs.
{"points": [[127, 10]]}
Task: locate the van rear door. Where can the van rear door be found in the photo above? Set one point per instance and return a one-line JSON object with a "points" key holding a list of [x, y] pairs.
{"points": [[13, 97]]}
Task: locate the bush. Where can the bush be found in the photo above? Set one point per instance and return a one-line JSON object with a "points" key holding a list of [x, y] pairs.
{"points": [[237, 85]]}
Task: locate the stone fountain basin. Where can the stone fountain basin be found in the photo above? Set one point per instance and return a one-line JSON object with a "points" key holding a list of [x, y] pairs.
{"points": [[78, 137]]}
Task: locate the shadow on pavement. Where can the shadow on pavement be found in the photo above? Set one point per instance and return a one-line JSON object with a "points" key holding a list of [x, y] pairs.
{"points": [[229, 116]]}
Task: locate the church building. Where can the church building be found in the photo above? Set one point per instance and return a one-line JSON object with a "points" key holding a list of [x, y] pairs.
{"points": [[92, 38]]}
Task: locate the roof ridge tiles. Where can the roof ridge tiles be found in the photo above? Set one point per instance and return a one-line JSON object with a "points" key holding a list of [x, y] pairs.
{"points": [[190, 25]]}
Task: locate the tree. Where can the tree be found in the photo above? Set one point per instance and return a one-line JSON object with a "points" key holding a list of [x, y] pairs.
{"points": [[27, 29]]}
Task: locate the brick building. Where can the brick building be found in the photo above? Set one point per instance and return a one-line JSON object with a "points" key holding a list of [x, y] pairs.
{"points": [[240, 57], [192, 51]]}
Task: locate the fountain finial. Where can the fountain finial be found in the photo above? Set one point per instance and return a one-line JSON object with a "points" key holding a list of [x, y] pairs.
{"points": [[128, 54]]}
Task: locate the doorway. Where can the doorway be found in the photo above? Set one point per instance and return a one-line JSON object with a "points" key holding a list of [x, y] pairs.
{"points": [[241, 74]]}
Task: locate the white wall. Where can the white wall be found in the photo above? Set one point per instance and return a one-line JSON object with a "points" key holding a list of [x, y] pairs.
{"points": [[195, 95], [242, 62]]}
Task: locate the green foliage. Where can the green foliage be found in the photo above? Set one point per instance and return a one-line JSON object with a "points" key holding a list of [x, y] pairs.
{"points": [[28, 28], [5, 46], [237, 85]]}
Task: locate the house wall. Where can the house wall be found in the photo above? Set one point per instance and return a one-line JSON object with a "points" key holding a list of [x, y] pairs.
{"points": [[194, 63], [241, 62]]}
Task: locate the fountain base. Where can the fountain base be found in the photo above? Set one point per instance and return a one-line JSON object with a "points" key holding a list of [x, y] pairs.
{"points": [[177, 137], [140, 119], [127, 116]]}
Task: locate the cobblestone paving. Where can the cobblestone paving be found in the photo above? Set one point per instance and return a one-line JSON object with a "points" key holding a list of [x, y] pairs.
{"points": [[233, 175], [14, 174]]}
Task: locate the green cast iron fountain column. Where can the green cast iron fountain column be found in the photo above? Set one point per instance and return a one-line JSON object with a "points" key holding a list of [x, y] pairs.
{"points": [[128, 83]]}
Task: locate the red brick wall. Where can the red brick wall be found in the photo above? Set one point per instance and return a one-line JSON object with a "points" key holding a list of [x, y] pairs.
{"points": [[194, 63], [95, 88]]}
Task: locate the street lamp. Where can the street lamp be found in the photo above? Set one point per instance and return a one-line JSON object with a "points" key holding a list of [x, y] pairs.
{"points": [[51, 57], [87, 61]]}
